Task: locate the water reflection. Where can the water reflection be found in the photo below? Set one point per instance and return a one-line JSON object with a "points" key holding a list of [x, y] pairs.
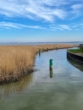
{"points": [[51, 73], [75, 64], [18, 86]]}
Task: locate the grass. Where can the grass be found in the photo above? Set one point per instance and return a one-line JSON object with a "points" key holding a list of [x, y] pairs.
{"points": [[76, 50], [17, 61]]}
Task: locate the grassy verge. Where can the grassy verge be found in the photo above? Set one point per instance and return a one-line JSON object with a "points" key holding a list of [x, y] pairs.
{"points": [[76, 50], [17, 61]]}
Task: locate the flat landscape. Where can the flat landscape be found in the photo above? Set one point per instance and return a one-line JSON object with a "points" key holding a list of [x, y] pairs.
{"points": [[41, 54]]}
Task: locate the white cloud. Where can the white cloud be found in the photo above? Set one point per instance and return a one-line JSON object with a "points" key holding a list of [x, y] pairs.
{"points": [[46, 10], [65, 27], [60, 27], [77, 26], [77, 7], [77, 10], [34, 9], [70, 27], [9, 25]]}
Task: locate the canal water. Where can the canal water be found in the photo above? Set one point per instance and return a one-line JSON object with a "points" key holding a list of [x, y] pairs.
{"points": [[60, 89]]}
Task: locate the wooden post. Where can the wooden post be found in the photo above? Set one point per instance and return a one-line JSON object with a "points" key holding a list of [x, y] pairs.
{"points": [[50, 64], [50, 68], [47, 49], [56, 48], [39, 52]]}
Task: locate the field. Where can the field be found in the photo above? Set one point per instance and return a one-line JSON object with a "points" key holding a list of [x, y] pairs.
{"points": [[17, 61]]}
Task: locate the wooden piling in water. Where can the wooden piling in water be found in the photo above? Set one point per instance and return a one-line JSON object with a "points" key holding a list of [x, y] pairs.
{"points": [[39, 52], [47, 49], [51, 68], [56, 48], [50, 64]]}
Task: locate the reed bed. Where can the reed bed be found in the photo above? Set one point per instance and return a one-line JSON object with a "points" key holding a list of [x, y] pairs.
{"points": [[17, 61]]}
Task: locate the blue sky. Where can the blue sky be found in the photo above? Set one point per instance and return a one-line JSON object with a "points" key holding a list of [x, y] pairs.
{"points": [[41, 20]]}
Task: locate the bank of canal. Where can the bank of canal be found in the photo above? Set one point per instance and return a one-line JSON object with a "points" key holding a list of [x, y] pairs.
{"points": [[37, 91]]}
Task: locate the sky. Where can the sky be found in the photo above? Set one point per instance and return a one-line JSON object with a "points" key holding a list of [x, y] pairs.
{"points": [[41, 20]]}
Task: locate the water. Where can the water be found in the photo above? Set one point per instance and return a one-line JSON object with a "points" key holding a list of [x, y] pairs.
{"points": [[60, 89], [38, 43]]}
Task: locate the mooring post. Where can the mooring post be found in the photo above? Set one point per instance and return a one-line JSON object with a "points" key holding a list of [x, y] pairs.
{"points": [[39, 52], [47, 49], [50, 68], [56, 48], [50, 64]]}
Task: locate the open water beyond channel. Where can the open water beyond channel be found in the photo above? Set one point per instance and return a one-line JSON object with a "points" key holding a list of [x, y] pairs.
{"points": [[60, 89]]}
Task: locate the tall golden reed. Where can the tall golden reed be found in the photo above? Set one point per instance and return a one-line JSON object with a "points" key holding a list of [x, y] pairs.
{"points": [[16, 61]]}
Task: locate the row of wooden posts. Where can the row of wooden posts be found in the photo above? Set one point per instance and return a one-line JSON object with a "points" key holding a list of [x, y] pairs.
{"points": [[46, 49], [49, 49]]}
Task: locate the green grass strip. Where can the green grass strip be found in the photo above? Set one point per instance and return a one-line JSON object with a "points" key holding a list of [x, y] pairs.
{"points": [[75, 50]]}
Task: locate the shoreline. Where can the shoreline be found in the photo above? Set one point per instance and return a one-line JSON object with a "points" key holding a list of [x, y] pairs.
{"points": [[17, 61]]}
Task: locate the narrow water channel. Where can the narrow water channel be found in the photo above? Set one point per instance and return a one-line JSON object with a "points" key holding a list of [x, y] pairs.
{"points": [[61, 89]]}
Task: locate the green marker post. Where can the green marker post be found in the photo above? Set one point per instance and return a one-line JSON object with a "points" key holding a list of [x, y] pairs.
{"points": [[47, 49], [56, 48], [51, 64], [39, 51]]}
